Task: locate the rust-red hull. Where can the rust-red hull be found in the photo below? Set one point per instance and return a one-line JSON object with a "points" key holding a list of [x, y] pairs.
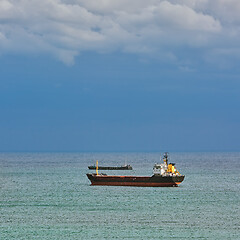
{"points": [[154, 181]]}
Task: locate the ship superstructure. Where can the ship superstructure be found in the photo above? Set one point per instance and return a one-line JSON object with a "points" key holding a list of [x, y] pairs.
{"points": [[165, 168]]}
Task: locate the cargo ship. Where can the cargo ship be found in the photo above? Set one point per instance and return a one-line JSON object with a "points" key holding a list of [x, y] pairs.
{"points": [[124, 167], [164, 175]]}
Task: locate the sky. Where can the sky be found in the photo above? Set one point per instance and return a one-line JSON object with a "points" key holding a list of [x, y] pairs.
{"points": [[117, 75]]}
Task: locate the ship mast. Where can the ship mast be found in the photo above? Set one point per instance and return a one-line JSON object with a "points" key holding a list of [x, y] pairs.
{"points": [[97, 167], [165, 158]]}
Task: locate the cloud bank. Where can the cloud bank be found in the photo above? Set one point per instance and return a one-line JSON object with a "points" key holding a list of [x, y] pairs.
{"points": [[164, 29]]}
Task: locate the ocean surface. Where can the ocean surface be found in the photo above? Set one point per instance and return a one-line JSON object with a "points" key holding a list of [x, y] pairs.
{"points": [[48, 196]]}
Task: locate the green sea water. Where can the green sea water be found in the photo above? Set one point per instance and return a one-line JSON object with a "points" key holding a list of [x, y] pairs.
{"points": [[48, 196]]}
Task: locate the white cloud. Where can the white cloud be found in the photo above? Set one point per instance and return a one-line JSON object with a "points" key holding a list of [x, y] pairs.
{"points": [[185, 18], [66, 28]]}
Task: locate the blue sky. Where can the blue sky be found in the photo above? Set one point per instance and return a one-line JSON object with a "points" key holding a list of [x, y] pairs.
{"points": [[119, 76]]}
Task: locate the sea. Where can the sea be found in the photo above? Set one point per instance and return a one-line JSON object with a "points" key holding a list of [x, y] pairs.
{"points": [[48, 196]]}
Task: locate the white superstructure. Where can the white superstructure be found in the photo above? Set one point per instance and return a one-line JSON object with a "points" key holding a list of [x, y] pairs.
{"points": [[165, 169]]}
